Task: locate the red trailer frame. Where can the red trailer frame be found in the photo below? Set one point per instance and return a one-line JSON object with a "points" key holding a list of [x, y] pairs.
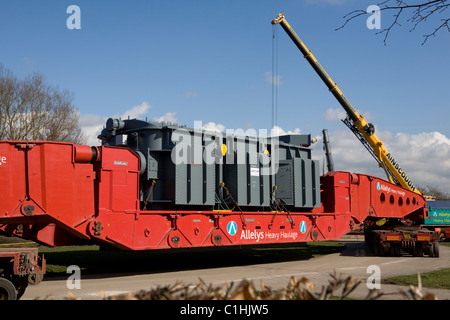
{"points": [[60, 194]]}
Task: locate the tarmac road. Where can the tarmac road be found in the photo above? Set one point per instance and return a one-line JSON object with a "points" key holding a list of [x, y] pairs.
{"points": [[354, 261]]}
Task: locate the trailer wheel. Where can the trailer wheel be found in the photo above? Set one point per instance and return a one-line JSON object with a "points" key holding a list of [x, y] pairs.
{"points": [[394, 249], [375, 248], [436, 249], [380, 250], [431, 250], [21, 284], [418, 251], [7, 290]]}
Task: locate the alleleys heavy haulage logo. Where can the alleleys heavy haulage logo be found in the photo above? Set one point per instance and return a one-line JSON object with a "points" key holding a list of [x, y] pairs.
{"points": [[400, 172]]}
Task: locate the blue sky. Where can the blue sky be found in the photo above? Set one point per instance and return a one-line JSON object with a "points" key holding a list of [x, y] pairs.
{"points": [[211, 61]]}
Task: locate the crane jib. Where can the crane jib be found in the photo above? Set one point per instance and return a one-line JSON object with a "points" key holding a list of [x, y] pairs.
{"points": [[358, 122], [307, 54], [400, 171]]}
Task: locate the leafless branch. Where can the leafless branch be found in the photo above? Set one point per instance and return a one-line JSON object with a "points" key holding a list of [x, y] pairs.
{"points": [[419, 13]]}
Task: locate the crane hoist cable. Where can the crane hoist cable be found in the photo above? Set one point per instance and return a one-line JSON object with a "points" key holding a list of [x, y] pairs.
{"points": [[274, 78]]}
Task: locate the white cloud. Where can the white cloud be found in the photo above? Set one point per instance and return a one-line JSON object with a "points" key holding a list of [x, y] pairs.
{"points": [[190, 94], [276, 80], [136, 111], [335, 114], [27, 60], [275, 131], [278, 131], [92, 124], [168, 117], [215, 127], [425, 157]]}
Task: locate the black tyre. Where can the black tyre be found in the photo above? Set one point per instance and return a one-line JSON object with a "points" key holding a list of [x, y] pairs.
{"points": [[7, 290], [431, 250], [392, 249], [376, 249], [21, 284], [418, 251], [436, 249], [395, 249]]}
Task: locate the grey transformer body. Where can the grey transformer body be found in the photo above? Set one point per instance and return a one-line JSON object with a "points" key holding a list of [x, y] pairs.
{"points": [[193, 169]]}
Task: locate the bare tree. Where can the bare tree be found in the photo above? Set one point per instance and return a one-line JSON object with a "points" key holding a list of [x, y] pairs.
{"points": [[435, 192], [30, 109], [432, 11]]}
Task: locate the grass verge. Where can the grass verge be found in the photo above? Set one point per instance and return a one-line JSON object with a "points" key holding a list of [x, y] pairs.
{"points": [[439, 279]]}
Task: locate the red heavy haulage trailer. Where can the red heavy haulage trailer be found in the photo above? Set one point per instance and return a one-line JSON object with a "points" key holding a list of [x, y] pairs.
{"points": [[60, 194]]}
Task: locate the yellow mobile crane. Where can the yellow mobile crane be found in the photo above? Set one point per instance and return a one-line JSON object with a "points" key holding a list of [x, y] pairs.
{"points": [[363, 130]]}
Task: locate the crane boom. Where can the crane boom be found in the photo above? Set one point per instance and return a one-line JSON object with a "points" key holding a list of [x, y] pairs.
{"points": [[364, 130]]}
